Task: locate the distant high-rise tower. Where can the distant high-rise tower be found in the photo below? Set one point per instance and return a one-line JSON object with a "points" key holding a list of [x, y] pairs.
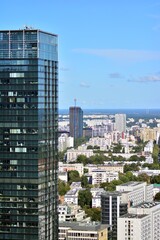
{"points": [[120, 122], [28, 135], [76, 122]]}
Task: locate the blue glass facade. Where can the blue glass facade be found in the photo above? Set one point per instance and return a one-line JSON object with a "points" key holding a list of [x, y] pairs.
{"points": [[28, 135], [76, 122]]}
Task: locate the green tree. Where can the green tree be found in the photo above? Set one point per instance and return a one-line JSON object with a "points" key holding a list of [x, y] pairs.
{"points": [[155, 153], [143, 177], [84, 181], [80, 141], [155, 179], [85, 170], [157, 197], [93, 213], [63, 187], [123, 178], [130, 176], [73, 176], [96, 147], [131, 167], [85, 198], [117, 148], [89, 147], [98, 159], [82, 159]]}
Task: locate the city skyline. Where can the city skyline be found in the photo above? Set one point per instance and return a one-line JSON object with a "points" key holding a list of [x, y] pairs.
{"points": [[108, 50]]}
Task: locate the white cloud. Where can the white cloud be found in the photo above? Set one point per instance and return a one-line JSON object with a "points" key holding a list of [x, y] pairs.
{"points": [[145, 79], [115, 75], [121, 54], [84, 85]]}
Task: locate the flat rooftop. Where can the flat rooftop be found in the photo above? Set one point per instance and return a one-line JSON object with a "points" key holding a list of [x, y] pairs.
{"points": [[80, 226], [130, 215], [147, 205], [131, 184], [115, 193]]}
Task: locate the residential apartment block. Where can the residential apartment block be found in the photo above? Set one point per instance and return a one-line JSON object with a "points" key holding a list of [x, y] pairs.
{"points": [[116, 204], [136, 192], [64, 142], [100, 175], [72, 154], [65, 167], [107, 167], [142, 222]]}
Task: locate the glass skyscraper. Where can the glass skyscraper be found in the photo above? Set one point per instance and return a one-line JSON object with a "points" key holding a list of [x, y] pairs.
{"points": [[28, 134], [76, 122]]}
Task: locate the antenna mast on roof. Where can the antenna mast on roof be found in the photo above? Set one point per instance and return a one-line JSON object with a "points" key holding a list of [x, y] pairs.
{"points": [[75, 101]]}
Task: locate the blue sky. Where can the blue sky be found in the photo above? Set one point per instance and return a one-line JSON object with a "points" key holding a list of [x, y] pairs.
{"points": [[109, 50]]}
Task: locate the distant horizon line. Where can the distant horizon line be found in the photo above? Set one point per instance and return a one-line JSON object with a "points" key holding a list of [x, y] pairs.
{"points": [[111, 108]]}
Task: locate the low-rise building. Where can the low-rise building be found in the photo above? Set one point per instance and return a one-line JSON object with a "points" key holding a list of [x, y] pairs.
{"points": [[65, 167], [72, 154], [71, 213], [96, 197], [107, 167], [100, 175], [149, 147], [82, 231], [71, 197], [103, 143]]}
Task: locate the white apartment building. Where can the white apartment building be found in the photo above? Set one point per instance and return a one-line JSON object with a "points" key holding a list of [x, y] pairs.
{"points": [[96, 197], [64, 142], [71, 197], [134, 227], [65, 167], [104, 142], [107, 167], [71, 213], [100, 175], [136, 192], [149, 147], [72, 154], [120, 122], [142, 222], [63, 176]]}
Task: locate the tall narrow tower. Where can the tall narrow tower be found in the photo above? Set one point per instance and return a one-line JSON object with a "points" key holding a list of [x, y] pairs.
{"points": [[28, 135], [76, 121], [120, 122]]}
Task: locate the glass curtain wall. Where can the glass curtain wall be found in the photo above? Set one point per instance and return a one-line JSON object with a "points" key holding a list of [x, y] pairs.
{"points": [[28, 135]]}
